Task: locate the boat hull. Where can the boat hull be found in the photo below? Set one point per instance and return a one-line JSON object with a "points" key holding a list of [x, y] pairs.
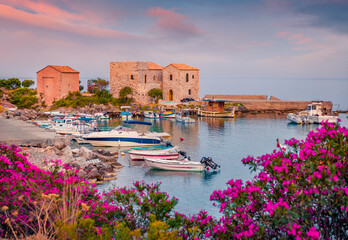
{"points": [[174, 165], [122, 142]]}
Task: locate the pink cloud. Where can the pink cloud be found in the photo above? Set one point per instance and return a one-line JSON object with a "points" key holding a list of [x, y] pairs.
{"points": [[60, 20], [295, 38], [168, 21], [282, 34]]}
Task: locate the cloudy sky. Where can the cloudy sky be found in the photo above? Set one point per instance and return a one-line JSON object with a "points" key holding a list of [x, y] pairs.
{"points": [[292, 49]]}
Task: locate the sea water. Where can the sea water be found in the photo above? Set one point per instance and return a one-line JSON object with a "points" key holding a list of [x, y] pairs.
{"points": [[226, 141]]}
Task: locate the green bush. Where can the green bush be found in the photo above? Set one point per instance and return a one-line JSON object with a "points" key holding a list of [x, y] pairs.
{"points": [[23, 98]]}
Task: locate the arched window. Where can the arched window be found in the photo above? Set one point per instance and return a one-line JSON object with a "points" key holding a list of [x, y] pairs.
{"points": [[145, 78], [132, 77], [187, 76], [189, 91], [154, 78], [171, 95], [170, 77], [193, 76]]}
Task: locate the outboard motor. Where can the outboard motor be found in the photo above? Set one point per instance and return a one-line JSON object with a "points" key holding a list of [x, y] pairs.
{"points": [[209, 162], [168, 144]]}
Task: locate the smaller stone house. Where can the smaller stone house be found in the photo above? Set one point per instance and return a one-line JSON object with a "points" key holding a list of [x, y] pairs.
{"points": [[55, 82], [180, 81]]}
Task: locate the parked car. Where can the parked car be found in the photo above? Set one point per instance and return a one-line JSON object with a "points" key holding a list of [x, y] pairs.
{"points": [[187, 100]]}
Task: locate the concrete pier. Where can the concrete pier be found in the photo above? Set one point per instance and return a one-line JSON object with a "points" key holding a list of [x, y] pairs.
{"points": [[13, 131]]}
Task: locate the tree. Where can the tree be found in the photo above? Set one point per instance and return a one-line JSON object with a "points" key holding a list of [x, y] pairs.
{"points": [[155, 93], [124, 93], [27, 83], [81, 86], [97, 85], [11, 83]]}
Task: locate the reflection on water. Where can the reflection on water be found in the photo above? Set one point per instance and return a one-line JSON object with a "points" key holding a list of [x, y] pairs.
{"points": [[227, 141]]}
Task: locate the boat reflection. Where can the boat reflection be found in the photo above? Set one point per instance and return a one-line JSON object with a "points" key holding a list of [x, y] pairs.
{"points": [[206, 176]]}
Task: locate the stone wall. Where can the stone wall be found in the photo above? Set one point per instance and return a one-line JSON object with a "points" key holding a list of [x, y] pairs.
{"points": [[232, 97], [70, 82], [279, 105]]}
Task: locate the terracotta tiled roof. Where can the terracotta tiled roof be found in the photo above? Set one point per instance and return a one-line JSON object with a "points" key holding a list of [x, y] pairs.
{"points": [[63, 69], [182, 66], [154, 66]]}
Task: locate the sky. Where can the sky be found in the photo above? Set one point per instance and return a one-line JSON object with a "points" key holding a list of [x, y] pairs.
{"points": [[291, 49]]}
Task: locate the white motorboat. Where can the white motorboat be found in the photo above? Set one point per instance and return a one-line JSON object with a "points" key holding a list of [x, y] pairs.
{"points": [[157, 152], [314, 113], [101, 116], [185, 164], [121, 136], [183, 117], [151, 115]]}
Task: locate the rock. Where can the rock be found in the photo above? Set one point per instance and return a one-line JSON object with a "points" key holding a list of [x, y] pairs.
{"points": [[88, 168], [66, 153], [103, 152], [81, 174], [86, 153], [80, 161], [75, 165], [106, 158], [105, 166], [94, 173], [75, 151], [59, 145]]}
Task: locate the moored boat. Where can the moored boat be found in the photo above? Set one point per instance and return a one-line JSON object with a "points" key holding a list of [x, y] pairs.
{"points": [[185, 164], [121, 136], [183, 117], [151, 115], [314, 113], [168, 114], [157, 152]]}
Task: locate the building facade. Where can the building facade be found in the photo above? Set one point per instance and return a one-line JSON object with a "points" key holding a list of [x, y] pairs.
{"points": [[176, 81], [55, 82]]}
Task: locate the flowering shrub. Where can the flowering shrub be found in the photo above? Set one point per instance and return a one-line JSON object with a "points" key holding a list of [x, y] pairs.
{"points": [[299, 192]]}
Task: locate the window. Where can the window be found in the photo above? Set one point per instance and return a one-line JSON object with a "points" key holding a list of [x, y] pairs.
{"points": [[46, 86], [189, 91], [145, 78], [170, 77], [154, 78], [68, 85], [187, 77], [132, 77], [193, 76]]}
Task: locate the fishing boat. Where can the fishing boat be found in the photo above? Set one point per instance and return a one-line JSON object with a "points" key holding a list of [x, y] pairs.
{"points": [[121, 136], [183, 117], [151, 115], [156, 152], [185, 164], [168, 114], [314, 113]]}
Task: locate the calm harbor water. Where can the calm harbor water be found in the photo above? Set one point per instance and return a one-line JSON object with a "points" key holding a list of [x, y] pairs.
{"points": [[227, 141]]}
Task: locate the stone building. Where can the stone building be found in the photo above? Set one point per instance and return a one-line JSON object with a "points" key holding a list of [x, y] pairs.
{"points": [[176, 81], [180, 81], [55, 82]]}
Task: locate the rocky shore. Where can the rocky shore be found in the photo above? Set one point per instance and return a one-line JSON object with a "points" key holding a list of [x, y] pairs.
{"points": [[95, 166]]}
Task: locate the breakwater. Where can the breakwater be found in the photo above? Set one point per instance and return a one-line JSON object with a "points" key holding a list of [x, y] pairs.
{"points": [[261, 103]]}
